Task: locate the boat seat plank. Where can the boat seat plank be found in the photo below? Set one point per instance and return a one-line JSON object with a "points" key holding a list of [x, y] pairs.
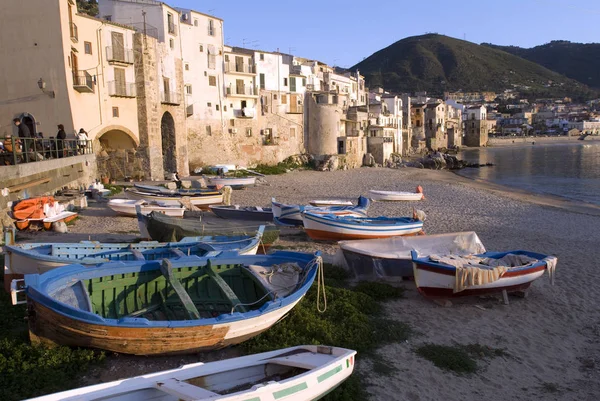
{"points": [[178, 252], [304, 360], [225, 289], [167, 270], [136, 254], [183, 390], [143, 311]]}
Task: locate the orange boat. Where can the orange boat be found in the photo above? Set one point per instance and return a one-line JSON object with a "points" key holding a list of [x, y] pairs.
{"points": [[32, 209]]}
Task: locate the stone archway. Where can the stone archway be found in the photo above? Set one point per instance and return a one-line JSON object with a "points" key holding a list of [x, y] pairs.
{"points": [[29, 120], [167, 133], [117, 154]]}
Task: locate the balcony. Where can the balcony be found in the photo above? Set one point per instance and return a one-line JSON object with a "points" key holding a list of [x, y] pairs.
{"points": [[310, 87], [121, 89], [246, 90], [83, 82], [171, 28], [119, 55], [170, 98], [73, 32], [296, 69], [246, 112], [235, 68]]}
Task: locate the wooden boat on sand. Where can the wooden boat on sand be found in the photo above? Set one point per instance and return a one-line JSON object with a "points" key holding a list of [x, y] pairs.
{"points": [[447, 276], [248, 213], [302, 373], [165, 228], [389, 258], [127, 207], [329, 227], [174, 192], [395, 196], [330, 202], [38, 258], [233, 182], [292, 214], [186, 305], [206, 199]]}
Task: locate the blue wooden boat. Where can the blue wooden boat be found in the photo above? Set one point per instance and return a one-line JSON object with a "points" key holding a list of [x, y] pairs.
{"points": [[329, 227], [185, 305], [292, 214], [246, 213], [29, 258]]}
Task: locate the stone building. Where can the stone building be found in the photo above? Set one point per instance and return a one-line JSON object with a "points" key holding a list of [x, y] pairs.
{"points": [[435, 126], [476, 130]]}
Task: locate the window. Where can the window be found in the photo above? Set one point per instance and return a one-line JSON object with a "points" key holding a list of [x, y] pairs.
{"points": [[292, 84], [212, 80], [262, 57], [208, 130], [108, 17], [262, 81], [88, 47], [209, 104], [170, 24], [227, 57], [232, 122], [225, 108], [120, 83], [201, 47], [283, 99], [195, 22], [217, 107], [292, 132], [248, 131], [275, 97], [171, 43], [211, 28], [188, 89], [205, 74], [303, 81], [284, 81], [115, 111], [187, 67]]}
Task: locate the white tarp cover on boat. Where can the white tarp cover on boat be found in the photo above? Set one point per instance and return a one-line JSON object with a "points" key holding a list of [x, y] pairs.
{"points": [[463, 243]]}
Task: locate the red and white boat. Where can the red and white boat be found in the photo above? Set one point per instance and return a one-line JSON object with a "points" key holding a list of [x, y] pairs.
{"points": [[490, 272]]}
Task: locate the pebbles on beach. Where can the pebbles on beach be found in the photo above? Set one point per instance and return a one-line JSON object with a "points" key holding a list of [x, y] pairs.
{"points": [[552, 337]]}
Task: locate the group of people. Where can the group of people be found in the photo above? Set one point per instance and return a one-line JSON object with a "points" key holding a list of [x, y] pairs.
{"points": [[38, 147]]}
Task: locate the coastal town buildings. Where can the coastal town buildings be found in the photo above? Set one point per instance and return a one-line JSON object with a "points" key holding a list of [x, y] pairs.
{"points": [[476, 130]]}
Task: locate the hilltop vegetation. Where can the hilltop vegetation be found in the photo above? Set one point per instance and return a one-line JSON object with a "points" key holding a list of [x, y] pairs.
{"points": [[438, 63], [89, 7], [579, 61]]}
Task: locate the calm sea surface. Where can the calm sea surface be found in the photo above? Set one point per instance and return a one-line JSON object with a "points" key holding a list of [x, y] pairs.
{"points": [[569, 170]]}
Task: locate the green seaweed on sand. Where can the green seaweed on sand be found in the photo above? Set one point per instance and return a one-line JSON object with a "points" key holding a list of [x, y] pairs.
{"points": [[458, 358], [353, 319]]}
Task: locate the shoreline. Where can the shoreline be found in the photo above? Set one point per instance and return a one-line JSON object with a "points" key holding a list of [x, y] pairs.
{"points": [[542, 140]]}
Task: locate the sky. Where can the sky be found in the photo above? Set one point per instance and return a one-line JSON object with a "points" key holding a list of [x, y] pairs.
{"points": [[343, 33]]}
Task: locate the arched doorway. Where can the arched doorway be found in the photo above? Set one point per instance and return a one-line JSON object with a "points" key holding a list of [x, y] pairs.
{"points": [[167, 133], [28, 120]]}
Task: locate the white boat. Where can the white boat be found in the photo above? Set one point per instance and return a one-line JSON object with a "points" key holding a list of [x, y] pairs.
{"points": [[330, 202], [395, 196], [329, 227], [203, 200], [391, 258], [292, 214], [233, 182], [301, 373], [127, 207]]}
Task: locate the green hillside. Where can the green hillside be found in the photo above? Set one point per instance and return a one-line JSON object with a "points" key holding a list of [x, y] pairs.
{"points": [[579, 61], [437, 63]]}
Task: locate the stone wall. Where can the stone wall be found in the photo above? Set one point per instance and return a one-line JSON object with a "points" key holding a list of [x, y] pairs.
{"points": [[46, 177], [323, 130]]}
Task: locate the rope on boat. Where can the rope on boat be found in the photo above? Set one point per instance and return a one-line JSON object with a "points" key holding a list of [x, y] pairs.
{"points": [[320, 284]]}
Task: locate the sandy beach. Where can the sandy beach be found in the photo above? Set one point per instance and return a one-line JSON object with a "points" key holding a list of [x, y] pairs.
{"points": [[551, 338]]}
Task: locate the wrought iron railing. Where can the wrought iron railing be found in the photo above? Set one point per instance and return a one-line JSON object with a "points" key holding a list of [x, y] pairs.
{"points": [[83, 81], [171, 28], [119, 54], [170, 98], [123, 89], [15, 150], [241, 90], [242, 68]]}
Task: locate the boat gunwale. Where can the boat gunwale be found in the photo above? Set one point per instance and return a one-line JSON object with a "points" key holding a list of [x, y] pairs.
{"points": [[38, 288], [351, 223]]}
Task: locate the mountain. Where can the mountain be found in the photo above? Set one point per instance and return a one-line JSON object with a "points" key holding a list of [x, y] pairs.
{"points": [[579, 61], [438, 63]]}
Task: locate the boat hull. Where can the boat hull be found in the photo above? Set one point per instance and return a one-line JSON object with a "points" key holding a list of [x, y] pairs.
{"points": [[326, 229], [234, 183], [369, 267], [49, 327], [200, 201], [435, 282], [127, 208], [243, 214], [391, 196]]}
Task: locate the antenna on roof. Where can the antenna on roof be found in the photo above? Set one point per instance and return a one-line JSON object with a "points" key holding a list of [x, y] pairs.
{"points": [[291, 49]]}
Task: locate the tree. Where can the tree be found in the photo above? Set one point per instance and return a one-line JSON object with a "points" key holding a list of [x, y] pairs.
{"points": [[89, 7]]}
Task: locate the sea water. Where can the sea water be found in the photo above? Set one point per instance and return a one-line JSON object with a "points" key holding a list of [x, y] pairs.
{"points": [[569, 170]]}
